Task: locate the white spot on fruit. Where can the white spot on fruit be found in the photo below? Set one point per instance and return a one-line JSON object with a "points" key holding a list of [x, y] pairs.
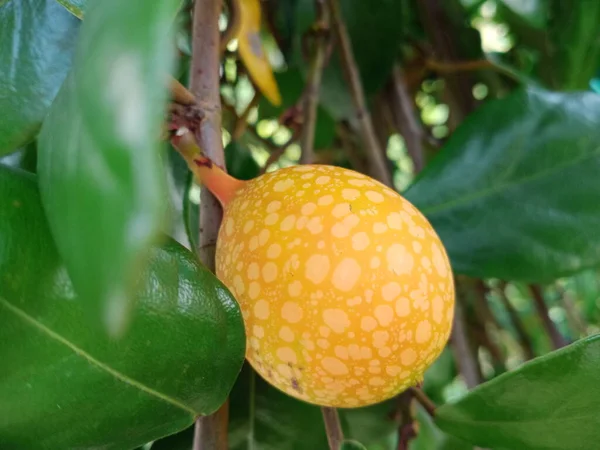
{"points": [[317, 268], [346, 274], [399, 260], [261, 309], [283, 185], [292, 312], [334, 366], [336, 319]]}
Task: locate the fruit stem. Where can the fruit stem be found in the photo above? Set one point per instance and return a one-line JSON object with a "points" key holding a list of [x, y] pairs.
{"points": [[222, 185]]}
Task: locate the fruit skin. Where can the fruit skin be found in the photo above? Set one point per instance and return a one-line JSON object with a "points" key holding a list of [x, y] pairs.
{"points": [[346, 290]]}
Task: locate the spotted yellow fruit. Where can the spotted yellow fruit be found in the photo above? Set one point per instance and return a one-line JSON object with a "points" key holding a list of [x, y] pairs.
{"points": [[346, 290]]}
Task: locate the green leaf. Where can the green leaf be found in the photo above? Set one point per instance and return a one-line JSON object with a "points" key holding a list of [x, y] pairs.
{"points": [[265, 418], [25, 158], [514, 193], [533, 12], [575, 47], [549, 403], [184, 440], [65, 385], [240, 163], [430, 437], [352, 445], [101, 175], [75, 7], [37, 40]]}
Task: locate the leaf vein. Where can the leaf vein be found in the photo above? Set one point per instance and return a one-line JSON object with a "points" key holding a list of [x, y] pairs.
{"points": [[511, 184], [82, 353]]}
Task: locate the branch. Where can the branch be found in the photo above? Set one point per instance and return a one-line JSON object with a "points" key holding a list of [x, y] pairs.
{"points": [[522, 335], [405, 414], [374, 152], [467, 66], [443, 36], [556, 338], [424, 400], [463, 354], [210, 431], [313, 83], [406, 120], [333, 428], [574, 316]]}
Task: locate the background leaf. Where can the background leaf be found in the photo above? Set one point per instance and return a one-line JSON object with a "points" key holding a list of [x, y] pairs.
{"points": [[549, 403], [513, 194], [75, 7], [63, 384], [262, 416], [37, 41], [101, 174], [352, 445]]}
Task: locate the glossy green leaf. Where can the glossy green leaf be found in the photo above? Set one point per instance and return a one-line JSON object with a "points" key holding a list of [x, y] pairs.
{"points": [[101, 174], [37, 40], [549, 403], [514, 193], [75, 7], [65, 385]]}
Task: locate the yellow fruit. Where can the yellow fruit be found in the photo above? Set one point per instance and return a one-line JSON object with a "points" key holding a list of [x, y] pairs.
{"points": [[346, 290]]}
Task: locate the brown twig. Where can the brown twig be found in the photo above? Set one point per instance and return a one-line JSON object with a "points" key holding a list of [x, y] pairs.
{"points": [[313, 83], [210, 431], [335, 437], [350, 149], [424, 400], [405, 415], [515, 319], [463, 353], [452, 67], [406, 120], [556, 338], [377, 160], [574, 317]]}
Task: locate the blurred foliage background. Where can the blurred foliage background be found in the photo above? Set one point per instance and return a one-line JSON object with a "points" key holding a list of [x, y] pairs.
{"points": [[468, 99]]}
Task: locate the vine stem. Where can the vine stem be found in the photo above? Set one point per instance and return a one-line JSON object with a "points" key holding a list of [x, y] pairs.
{"points": [[335, 436], [313, 84], [407, 121], [210, 431], [523, 337], [556, 338], [424, 400], [377, 161], [462, 349]]}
